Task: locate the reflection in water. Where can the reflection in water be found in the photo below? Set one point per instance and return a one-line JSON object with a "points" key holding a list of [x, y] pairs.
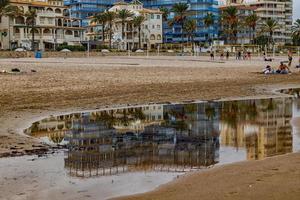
{"points": [[178, 137]]}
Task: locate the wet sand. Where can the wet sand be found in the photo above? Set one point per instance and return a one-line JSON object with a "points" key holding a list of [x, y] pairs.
{"points": [[64, 85], [36, 178], [270, 179]]}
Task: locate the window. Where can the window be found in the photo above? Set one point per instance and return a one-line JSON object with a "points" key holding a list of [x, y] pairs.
{"points": [[158, 17], [152, 16], [42, 20], [68, 32], [158, 27], [50, 21]]}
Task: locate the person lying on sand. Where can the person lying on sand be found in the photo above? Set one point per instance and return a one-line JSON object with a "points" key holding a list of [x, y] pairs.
{"points": [[267, 59], [283, 69]]}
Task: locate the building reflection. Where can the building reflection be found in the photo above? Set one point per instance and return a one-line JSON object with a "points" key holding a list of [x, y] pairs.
{"points": [[261, 126], [173, 137], [147, 142]]}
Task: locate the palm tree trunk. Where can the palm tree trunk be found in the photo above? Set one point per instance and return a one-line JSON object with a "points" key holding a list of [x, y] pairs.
{"points": [[32, 39], [182, 25], [9, 38], [132, 36], [140, 37], [110, 26], [123, 30], [103, 33]]}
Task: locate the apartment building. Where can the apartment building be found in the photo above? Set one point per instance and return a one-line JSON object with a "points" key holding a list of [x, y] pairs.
{"points": [[197, 10], [279, 10], [53, 26]]}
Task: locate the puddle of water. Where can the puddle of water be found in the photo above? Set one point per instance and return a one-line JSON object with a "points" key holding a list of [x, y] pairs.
{"points": [[171, 139], [179, 137]]}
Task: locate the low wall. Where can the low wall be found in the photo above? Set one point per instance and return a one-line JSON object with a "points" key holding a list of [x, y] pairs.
{"points": [[79, 54]]}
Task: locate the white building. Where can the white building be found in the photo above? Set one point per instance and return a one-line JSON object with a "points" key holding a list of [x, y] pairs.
{"points": [[151, 29], [53, 26], [279, 10]]}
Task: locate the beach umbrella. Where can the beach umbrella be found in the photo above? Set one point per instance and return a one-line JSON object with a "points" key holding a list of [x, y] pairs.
{"points": [[65, 50], [105, 51], [20, 49]]}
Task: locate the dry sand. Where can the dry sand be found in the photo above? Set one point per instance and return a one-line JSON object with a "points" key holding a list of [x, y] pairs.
{"points": [[61, 85]]}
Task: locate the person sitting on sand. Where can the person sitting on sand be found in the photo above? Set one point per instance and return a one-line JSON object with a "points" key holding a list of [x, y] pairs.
{"points": [[268, 70], [298, 66], [283, 69]]}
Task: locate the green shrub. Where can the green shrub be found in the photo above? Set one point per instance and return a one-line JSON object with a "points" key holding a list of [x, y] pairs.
{"points": [[70, 47]]}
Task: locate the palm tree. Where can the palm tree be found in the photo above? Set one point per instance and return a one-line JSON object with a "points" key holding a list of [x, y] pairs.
{"points": [[9, 11], [3, 5], [165, 14], [123, 15], [31, 21], [296, 32], [251, 22], [269, 26], [208, 22], [230, 22], [181, 13], [137, 22], [110, 17], [190, 27], [100, 19]]}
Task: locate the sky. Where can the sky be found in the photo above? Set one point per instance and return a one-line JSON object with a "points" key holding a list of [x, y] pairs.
{"points": [[296, 9], [296, 13]]}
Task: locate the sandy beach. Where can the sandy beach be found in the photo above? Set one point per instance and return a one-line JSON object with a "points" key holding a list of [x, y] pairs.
{"points": [[73, 84]]}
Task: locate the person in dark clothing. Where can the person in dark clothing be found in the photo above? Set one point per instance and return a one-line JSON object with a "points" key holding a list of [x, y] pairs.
{"points": [[227, 55], [212, 55], [290, 58], [239, 55]]}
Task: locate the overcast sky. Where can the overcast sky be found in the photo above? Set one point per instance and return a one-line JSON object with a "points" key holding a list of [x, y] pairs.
{"points": [[296, 8]]}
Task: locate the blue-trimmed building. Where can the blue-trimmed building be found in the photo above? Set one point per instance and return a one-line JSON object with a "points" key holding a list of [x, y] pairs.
{"points": [[199, 8], [85, 8]]}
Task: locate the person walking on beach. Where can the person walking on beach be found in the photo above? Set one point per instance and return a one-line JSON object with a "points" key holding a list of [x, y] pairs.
{"points": [[290, 57], [227, 55], [249, 55], [222, 55], [212, 56], [239, 56]]}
